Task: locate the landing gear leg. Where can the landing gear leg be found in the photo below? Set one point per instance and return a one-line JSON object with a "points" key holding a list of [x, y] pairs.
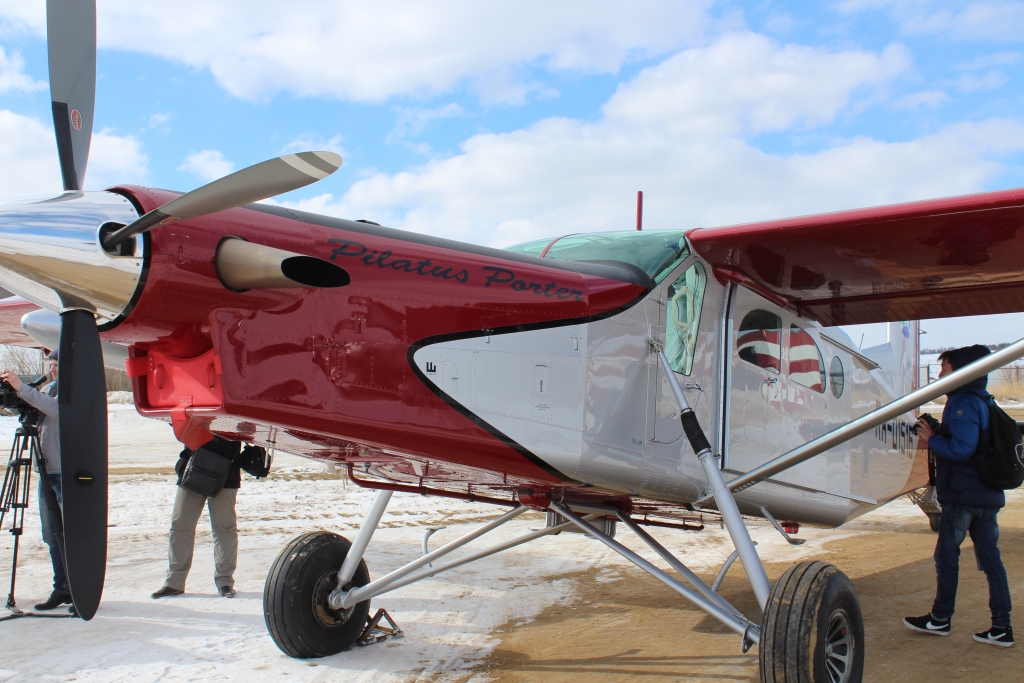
{"points": [[812, 628]]}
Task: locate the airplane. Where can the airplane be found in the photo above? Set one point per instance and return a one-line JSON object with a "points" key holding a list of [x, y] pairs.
{"points": [[633, 378]]}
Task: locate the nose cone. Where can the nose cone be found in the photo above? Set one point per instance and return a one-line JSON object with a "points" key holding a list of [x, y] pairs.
{"points": [[50, 253]]}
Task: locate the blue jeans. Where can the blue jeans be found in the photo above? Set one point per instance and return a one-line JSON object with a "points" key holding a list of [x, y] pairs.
{"points": [[60, 579], [956, 522]]}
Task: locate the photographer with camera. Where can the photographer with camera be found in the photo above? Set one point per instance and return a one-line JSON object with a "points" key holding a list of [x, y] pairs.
{"points": [[211, 476], [45, 401], [960, 444]]}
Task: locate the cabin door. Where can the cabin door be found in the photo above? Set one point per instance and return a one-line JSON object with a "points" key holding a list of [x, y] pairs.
{"points": [[757, 385]]}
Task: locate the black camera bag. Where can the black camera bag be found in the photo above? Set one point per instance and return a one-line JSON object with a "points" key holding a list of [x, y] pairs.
{"points": [[206, 472]]}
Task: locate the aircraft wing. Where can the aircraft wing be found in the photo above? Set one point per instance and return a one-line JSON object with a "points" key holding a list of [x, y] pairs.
{"points": [[940, 258], [11, 310]]}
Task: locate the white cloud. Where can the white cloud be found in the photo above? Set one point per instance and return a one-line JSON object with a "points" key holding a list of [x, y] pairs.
{"points": [[369, 52], [115, 160], [662, 133], [991, 80], [988, 61], [315, 143], [207, 165], [985, 20], [924, 98], [18, 17], [12, 76], [28, 158], [411, 122], [160, 119], [749, 83]]}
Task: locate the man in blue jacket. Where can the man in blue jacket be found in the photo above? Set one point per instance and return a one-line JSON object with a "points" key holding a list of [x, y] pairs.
{"points": [[968, 506]]}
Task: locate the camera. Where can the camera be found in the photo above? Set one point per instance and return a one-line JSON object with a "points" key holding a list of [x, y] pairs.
{"points": [[10, 401], [932, 422]]}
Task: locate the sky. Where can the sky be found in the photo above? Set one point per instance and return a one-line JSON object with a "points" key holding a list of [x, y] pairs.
{"points": [[498, 123]]}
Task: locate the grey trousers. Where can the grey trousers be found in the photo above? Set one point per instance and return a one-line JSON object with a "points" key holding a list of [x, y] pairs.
{"points": [[188, 506]]}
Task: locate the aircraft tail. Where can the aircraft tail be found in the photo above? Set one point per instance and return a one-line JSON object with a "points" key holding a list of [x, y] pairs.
{"points": [[899, 359]]}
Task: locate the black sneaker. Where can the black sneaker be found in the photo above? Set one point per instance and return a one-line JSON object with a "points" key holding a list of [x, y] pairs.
{"points": [[227, 592], [927, 624], [56, 599], [1000, 637], [166, 592]]}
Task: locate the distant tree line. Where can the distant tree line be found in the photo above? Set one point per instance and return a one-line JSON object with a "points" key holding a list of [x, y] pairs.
{"points": [[991, 347]]}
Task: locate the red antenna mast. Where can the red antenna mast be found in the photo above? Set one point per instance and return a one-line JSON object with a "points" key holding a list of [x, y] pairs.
{"points": [[640, 210]]}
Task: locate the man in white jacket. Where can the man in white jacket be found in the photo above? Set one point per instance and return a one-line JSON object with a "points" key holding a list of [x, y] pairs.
{"points": [[45, 401]]}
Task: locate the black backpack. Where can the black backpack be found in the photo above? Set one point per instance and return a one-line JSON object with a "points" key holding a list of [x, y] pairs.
{"points": [[1002, 466]]}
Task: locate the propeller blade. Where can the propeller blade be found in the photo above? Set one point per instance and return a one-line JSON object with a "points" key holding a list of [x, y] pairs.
{"points": [[82, 409], [265, 179], [71, 48]]}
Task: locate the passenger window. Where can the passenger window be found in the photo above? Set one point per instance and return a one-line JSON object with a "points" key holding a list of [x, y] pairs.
{"points": [[759, 340], [806, 366], [685, 297]]}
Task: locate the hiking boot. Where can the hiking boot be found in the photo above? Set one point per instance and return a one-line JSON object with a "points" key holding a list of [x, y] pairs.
{"points": [[56, 599], [166, 592], [1000, 637], [927, 624], [227, 592]]}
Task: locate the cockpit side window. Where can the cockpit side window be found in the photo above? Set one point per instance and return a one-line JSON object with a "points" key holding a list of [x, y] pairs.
{"points": [[759, 340], [684, 298], [806, 366]]}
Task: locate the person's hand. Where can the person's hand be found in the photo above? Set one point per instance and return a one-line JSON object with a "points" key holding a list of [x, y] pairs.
{"points": [[11, 377], [924, 430]]}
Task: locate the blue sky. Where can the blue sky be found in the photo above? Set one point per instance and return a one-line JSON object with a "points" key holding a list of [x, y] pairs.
{"points": [[498, 124]]}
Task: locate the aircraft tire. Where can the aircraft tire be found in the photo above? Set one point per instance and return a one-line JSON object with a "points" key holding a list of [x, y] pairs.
{"points": [[811, 624], [933, 520], [295, 595]]}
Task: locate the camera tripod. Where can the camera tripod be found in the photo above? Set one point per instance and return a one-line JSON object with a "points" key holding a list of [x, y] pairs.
{"points": [[14, 497]]}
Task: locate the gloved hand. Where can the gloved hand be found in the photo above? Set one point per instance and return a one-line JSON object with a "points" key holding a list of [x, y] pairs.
{"points": [[255, 461]]}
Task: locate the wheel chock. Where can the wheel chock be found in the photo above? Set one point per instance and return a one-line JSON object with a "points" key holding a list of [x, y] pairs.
{"points": [[375, 633]]}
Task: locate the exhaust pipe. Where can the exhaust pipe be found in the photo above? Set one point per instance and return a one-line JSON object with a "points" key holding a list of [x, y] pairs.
{"points": [[242, 266]]}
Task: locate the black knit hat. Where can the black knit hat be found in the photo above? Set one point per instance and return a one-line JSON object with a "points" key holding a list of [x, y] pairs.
{"points": [[966, 355], [52, 355]]}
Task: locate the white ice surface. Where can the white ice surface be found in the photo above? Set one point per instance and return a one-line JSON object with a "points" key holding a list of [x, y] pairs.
{"points": [[448, 620]]}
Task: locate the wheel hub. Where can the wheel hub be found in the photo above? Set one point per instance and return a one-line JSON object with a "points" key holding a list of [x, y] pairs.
{"points": [[839, 648], [325, 616]]}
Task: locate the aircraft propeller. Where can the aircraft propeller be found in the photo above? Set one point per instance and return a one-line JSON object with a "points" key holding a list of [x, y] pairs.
{"points": [[71, 49]]}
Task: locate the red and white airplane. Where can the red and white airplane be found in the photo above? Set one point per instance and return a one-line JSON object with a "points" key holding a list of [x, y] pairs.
{"points": [[639, 378]]}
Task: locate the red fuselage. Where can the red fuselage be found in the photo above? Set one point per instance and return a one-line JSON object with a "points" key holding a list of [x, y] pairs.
{"points": [[332, 367]]}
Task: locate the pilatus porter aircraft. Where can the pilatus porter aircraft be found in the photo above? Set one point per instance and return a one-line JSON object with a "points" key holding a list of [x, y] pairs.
{"points": [[629, 379]]}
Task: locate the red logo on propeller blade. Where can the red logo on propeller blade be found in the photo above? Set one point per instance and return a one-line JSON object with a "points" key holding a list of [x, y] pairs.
{"points": [[76, 119]]}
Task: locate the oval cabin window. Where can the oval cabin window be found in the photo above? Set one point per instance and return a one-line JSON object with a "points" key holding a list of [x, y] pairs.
{"points": [[835, 375]]}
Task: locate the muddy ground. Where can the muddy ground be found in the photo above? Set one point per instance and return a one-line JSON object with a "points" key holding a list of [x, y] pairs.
{"points": [[629, 626]]}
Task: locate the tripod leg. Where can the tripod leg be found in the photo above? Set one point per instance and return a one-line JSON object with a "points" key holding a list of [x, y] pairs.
{"points": [[15, 498]]}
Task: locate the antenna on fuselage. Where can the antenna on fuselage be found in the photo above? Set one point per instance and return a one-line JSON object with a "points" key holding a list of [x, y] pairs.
{"points": [[639, 210]]}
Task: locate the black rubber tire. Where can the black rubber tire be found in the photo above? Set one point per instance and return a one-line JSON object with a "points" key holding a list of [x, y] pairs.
{"points": [[810, 598], [294, 597], [933, 520]]}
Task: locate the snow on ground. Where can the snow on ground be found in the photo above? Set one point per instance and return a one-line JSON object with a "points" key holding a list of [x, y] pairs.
{"points": [[448, 620]]}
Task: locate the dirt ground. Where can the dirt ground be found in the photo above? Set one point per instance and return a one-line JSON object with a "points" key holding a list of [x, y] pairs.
{"points": [[635, 628]]}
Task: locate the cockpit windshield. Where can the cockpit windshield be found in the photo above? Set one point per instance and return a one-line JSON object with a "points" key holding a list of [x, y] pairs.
{"points": [[655, 252]]}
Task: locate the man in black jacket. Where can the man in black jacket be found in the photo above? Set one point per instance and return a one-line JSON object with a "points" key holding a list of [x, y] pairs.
{"points": [[188, 506]]}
